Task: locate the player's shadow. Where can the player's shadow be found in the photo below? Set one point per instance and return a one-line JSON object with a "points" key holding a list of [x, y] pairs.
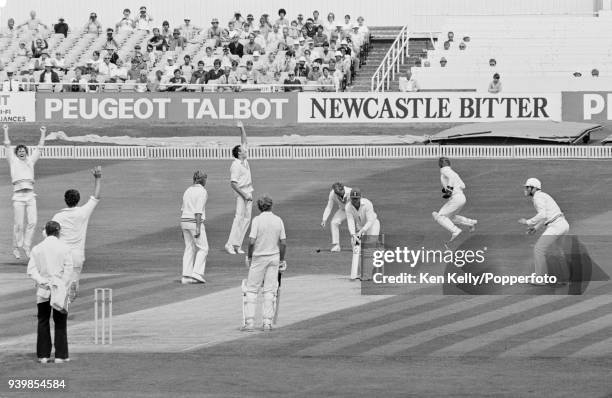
{"points": [[512, 255]]}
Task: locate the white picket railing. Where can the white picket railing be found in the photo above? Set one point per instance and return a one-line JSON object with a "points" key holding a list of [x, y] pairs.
{"points": [[306, 152], [390, 65]]}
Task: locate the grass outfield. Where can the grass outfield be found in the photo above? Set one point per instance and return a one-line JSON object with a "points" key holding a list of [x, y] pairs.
{"points": [[415, 345]]}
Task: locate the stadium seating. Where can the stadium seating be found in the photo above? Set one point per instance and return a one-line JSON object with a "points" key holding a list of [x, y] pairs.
{"points": [[531, 53]]}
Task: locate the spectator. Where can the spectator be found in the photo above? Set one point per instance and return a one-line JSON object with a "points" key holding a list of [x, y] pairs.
{"points": [[215, 73], [49, 75], [315, 18], [178, 82], [264, 26], [288, 63], [227, 57], [238, 20], [594, 73], [121, 72], [79, 83], [344, 45], [198, 75], [462, 46], [492, 63], [330, 25], [315, 72], [150, 57], [447, 45], [189, 31], [209, 59], [175, 42], [336, 74], [214, 32], [39, 63], [126, 24], [364, 31], [93, 26], [250, 73], [10, 29], [451, 36], [577, 74], [320, 37], [39, 46], [95, 60], [157, 84], [270, 63], [443, 62], [236, 48], [336, 35], [235, 71], [249, 21], [495, 86], [23, 51], [326, 55], [408, 83], [229, 32], [11, 84], [310, 29], [170, 67], [281, 21], [33, 23], [251, 46], [300, 21], [258, 63], [301, 69], [264, 77], [134, 72], [143, 22], [142, 63], [187, 68], [61, 27], [157, 41], [326, 81], [348, 25], [308, 57], [466, 39], [59, 61], [110, 40], [294, 32], [166, 32], [292, 84], [107, 69], [142, 82]]}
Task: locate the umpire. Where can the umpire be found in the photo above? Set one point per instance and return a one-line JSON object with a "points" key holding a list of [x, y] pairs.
{"points": [[266, 255]]}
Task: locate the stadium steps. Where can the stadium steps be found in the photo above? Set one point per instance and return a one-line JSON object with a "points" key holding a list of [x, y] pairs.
{"points": [[381, 44]]}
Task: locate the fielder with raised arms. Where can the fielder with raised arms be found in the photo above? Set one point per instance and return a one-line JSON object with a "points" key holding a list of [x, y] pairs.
{"points": [[338, 195], [452, 190], [548, 214], [241, 183], [22, 164], [265, 258], [361, 220]]}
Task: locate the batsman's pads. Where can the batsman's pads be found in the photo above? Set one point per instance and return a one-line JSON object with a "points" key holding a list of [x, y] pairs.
{"points": [[447, 192]]}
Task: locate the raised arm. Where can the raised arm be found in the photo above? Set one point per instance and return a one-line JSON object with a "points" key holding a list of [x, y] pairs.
{"points": [[328, 208], [7, 141], [243, 136], [97, 173], [41, 144]]}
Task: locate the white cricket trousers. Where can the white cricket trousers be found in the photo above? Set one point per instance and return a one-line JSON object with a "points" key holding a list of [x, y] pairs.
{"points": [[553, 231], [242, 219], [339, 216], [447, 217], [196, 250], [78, 259], [24, 223], [264, 269]]}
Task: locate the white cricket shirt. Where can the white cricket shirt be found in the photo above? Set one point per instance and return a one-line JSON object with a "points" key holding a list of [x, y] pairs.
{"points": [[240, 173], [74, 221], [362, 218], [449, 178], [267, 229], [22, 171], [546, 208], [334, 199], [194, 201]]}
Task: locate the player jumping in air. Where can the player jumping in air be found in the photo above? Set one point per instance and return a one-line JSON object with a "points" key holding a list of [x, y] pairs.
{"points": [[452, 190]]}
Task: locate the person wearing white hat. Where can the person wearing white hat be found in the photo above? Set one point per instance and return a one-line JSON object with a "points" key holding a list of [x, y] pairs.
{"points": [[452, 190], [301, 69], [11, 84], [548, 215], [49, 75]]}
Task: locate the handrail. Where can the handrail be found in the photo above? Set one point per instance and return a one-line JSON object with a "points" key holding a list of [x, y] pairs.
{"points": [[390, 65]]}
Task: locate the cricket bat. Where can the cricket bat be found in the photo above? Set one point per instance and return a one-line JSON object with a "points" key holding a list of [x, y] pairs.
{"points": [[278, 297], [356, 258]]}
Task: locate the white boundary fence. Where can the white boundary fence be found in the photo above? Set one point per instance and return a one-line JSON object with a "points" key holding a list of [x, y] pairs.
{"points": [[332, 152]]}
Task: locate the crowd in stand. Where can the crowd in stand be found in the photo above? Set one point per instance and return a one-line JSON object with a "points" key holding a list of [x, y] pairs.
{"points": [[242, 53]]}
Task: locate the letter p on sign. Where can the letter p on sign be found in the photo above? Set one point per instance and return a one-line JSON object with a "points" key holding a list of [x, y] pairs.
{"points": [[592, 104], [52, 105]]}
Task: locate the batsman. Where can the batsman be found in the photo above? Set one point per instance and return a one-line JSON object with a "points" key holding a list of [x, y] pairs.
{"points": [[265, 259]]}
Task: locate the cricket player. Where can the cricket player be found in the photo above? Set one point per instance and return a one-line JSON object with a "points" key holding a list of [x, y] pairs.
{"points": [[361, 220], [241, 183], [549, 215], [338, 195], [193, 214], [452, 190], [74, 220], [266, 256], [21, 164]]}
